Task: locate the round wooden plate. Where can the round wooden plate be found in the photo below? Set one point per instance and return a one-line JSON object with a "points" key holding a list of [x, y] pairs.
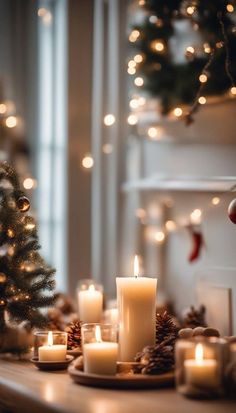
{"points": [[52, 365], [121, 380]]}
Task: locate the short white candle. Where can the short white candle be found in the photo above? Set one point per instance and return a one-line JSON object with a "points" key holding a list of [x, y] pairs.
{"points": [[136, 297], [201, 372], [90, 305], [100, 357], [52, 352]]}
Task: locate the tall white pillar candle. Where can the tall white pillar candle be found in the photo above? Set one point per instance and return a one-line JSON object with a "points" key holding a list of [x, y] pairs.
{"points": [[90, 305], [136, 297]]}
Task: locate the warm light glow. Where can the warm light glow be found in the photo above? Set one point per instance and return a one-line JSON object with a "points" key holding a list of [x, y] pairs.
{"points": [[233, 90], [140, 213], [109, 119], [158, 45], [138, 58], [10, 233], [154, 133], [30, 226], [196, 216], [203, 78], [138, 81], [199, 352], [159, 236], [132, 63], [170, 226], [178, 112], [136, 266], [202, 100], [132, 119], [207, 48], [131, 70], [141, 101], [190, 10], [87, 162], [28, 183], [134, 103], [190, 49], [98, 335], [141, 2], [219, 45], [11, 121], [134, 35], [230, 8], [3, 108], [45, 15], [50, 338], [91, 287], [107, 148], [215, 200], [153, 19]]}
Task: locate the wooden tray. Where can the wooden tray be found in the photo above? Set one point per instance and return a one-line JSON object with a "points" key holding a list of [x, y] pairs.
{"points": [[121, 380]]}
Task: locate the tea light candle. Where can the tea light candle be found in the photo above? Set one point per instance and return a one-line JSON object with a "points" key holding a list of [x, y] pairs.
{"points": [[201, 372], [136, 297], [52, 352], [100, 357], [90, 305]]}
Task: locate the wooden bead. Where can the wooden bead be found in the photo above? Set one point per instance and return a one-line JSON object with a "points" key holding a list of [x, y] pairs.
{"points": [[211, 332], [186, 333], [198, 331]]}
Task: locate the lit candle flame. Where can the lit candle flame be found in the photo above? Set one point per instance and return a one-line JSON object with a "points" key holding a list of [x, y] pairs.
{"points": [[199, 352], [136, 266], [91, 287], [98, 335], [50, 338]]}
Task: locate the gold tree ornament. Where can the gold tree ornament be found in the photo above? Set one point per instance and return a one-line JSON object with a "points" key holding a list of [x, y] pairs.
{"points": [[23, 204]]}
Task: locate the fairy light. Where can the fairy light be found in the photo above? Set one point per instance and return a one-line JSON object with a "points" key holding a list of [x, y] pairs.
{"points": [[132, 63], [203, 78], [134, 103], [195, 216], [10, 233], [154, 133], [29, 226], [230, 8], [140, 213], [138, 58], [190, 49], [2, 277], [132, 119], [215, 200], [178, 112], [141, 2], [11, 121], [138, 81], [158, 45], [202, 100], [28, 183], [190, 10], [233, 90], [87, 162], [170, 226], [109, 119], [45, 15], [131, 70], [3, 108], [153, 19], [134, 35], [219, 45], [207, 48], [159, 236]]}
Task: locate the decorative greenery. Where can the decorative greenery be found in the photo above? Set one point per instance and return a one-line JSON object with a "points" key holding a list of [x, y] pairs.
{"points": [[26, 282], [176, 84]]}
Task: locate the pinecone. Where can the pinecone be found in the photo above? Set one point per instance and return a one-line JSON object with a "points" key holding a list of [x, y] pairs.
{"points": [[195, 318], [74, 335], [156, 359], [165, 328]]}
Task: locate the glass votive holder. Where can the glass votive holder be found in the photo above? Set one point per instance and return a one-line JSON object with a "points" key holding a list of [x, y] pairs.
{"points": [[50, 345], [90, 301], [199, 366], [100, 348], [230, 371]]}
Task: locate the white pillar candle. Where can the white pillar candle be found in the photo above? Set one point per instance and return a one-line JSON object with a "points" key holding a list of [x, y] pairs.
{"points": [[90, 305], [100, 357], [201, 372], [136, 297], [52, 352]]}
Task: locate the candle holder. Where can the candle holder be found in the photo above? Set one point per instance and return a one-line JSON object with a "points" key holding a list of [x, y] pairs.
{"points": [[41, 339], [100, 348], [230, 371], [200, 363], [90, 301]]}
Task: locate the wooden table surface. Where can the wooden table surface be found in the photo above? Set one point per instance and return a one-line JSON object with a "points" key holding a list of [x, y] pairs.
{"points": [[24, 389]]}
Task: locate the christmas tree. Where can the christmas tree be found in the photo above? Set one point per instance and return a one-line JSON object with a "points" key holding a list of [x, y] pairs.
{"points": [[206, 65], [26, 281]]}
